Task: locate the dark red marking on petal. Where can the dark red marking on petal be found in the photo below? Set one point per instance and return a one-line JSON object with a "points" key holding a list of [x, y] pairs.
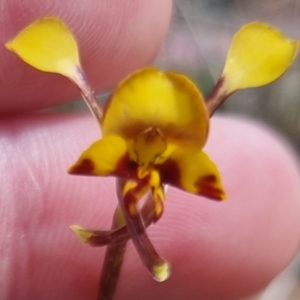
{"points": [[209, 179], [206, 187], [125, 167], [86, 167], [212, 193], [169, 173]]}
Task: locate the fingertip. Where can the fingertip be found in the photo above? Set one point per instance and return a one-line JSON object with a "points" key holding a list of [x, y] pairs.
{"points": [[114, 39], [217, 250]]}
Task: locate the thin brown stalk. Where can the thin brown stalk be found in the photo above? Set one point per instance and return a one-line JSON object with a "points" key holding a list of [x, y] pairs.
{"points": [[217, 97], [88, 95], [112, 266]]}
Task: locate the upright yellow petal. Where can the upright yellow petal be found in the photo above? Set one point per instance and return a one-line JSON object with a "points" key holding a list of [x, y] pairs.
{"points": [[258, 55], [47, 45], [166, 101], [191, 170], [105, 157]]}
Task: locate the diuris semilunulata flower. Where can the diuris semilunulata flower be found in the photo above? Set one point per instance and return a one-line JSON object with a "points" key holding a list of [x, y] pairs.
{"points": [[155, 124], [154, 128]]}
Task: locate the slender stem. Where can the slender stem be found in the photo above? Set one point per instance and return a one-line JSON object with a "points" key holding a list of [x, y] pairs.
{"points": [[113, 260], [88, 95], [218, 95]]}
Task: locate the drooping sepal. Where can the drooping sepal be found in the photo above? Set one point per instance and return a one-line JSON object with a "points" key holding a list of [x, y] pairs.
{"points": [[129, 193], [99, 238]]}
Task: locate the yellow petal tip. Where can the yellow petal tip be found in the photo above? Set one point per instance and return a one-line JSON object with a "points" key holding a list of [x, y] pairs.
{"points": [[47, 45], [162, 272], [82, 234], [223, 196], [9, 46]]}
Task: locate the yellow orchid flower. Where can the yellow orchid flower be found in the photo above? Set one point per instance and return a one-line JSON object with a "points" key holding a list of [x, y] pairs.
{"points": [[154, 127]]}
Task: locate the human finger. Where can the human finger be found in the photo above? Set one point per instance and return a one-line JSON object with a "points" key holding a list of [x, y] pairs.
{"points": [[114, 38], [217, 250]]}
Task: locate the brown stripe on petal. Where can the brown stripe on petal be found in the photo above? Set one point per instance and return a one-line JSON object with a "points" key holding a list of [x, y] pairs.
{"points": [[206, 186], [85, 167], [209, 179], [212, 193], [125, 167], [133, 195]]}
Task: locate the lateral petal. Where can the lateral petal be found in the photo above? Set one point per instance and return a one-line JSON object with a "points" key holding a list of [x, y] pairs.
{"points": [[105, 157], [193, 171], [47, 45], [258, 55], [167, 101]]}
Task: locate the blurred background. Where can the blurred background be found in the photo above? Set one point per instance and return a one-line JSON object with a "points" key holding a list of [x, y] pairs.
{"points": [[197, 44]]}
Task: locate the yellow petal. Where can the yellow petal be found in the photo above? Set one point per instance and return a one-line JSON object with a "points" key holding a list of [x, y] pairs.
{"points": [[167, 101], [47, 45], [105, 157], [258, 55], [192, 171]]}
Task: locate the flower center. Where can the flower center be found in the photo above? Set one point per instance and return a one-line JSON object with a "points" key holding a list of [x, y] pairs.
{"points": [[148, 145]]}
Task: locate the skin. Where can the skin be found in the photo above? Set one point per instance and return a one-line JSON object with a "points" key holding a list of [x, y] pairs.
{"points": [[217, 250]]}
